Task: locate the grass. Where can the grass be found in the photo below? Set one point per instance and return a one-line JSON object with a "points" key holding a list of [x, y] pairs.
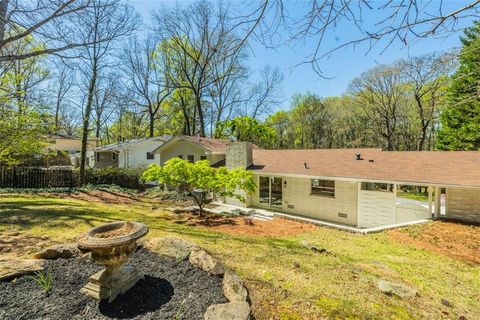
{"points": [[285, 279], [44, 280]]}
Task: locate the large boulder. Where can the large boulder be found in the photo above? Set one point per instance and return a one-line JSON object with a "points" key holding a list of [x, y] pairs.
{"points": [[65, 251], [172, 247], [391, 288], [233, 288], [205, 262], [13, 268], [228, 311]]}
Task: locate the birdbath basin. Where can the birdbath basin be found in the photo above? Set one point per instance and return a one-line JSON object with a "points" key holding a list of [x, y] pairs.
{"points": [[111, 245]]}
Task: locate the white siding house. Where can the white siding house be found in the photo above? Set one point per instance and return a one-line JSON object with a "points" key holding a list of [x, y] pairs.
{"points": [[136, 153]]}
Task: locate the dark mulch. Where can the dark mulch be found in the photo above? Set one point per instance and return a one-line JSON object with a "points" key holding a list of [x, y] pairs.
{"points": [[171, 289]]}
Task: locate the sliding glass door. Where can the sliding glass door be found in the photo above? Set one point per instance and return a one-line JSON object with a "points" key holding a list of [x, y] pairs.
{"points": [[270, 192]]}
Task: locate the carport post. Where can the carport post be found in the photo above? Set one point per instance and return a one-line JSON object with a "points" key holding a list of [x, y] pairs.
{"points": [[430, 201], [438, 195]]}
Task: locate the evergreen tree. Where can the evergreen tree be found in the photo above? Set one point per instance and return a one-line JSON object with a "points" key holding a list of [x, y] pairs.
{"points": [[460, 121]]}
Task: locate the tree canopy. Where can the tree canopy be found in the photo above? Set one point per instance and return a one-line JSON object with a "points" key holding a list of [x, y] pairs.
{"points": [[460, 121], [201, 176]]}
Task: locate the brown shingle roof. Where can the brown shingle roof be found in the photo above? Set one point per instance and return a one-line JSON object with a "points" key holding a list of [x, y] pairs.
{"points": [[429, 167], [213, 145]]}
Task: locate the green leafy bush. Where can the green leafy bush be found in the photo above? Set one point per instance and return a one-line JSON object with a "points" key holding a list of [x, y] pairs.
{"points": [[126, 178], [200, 179]]}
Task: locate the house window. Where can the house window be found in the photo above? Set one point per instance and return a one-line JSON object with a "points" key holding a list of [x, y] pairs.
{"points": [[374, 186], [98, 156], [114, 156], [150, 156], [203, 157], [325, 188], [190, 158]]}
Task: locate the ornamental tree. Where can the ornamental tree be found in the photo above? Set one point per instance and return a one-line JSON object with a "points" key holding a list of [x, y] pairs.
{"points": [[200, 179]]}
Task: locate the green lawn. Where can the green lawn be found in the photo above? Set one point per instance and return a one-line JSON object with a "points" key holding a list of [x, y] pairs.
{"points": [[285, 280]]}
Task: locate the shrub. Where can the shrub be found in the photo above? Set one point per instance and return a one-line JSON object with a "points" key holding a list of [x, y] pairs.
{"points": [[199, 179], [126, 178]]}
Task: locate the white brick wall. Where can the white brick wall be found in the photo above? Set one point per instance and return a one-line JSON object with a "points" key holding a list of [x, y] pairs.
{"points": [[463, 204], [296, 192]]}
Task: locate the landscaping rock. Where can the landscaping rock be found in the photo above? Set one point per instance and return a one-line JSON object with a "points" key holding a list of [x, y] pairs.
{"points": [[172, 247], [228, 311], [397, 289], [185, 209], [59, 251], [233, 288], [13, 268], [315, 248], [446, 303], [170, 289], [205, 262]]}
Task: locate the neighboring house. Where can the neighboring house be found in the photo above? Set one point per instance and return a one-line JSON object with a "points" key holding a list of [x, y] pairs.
{"points": [[129, 154], [354, 187], [69, 144], [193, 148]]}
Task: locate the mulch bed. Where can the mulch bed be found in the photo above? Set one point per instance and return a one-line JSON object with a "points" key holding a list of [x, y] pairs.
{"points": [[454, 239], [277, 227], [171, 289]]}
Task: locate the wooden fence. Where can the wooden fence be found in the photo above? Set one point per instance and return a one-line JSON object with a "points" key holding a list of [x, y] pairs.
{"points": [[28, 177]]}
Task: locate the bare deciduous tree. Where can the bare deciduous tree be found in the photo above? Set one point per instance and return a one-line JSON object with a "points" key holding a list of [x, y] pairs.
{"points": [[428, 77], [197, 38], [402, 21], [379, 92], [145, 70], [109, 21], [48, 22]]}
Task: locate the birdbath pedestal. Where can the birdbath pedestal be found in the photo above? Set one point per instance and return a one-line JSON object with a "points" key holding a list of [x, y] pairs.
{"points": [[111, 245]]}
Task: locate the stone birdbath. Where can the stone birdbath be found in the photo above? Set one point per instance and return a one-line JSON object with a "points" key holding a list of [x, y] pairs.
{"points": [[111, 245]]}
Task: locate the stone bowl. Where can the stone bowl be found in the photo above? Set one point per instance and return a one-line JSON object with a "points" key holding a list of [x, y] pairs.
{"points": [[113, 243]]}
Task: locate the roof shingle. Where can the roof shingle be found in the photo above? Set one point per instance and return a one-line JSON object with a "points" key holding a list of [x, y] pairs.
{"points": [[460, 168]]}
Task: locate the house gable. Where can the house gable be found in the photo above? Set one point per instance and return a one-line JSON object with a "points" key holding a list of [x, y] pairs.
{"points": [[182, 147]]}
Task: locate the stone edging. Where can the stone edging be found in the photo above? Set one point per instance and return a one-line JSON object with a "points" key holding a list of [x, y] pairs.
{"points": [[238, 307]]}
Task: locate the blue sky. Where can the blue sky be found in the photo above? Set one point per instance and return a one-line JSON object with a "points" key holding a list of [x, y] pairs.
{"points": [[341, 67]]}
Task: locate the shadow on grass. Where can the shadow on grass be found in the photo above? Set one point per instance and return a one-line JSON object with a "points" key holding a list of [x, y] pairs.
{"points": [[51, 213]]}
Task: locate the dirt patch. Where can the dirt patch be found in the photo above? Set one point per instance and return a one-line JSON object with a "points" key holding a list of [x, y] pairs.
{"points": [[125, 229], [457, 240], [277, 227], [105, 197], [21, 244], [171, 289]]}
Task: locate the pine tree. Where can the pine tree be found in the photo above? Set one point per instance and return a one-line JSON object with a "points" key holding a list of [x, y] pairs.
{"points": [[460, 121]]}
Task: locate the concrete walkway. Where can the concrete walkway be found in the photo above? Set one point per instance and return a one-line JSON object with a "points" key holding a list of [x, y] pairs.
{"points": [[265, 215], [260, 214]]}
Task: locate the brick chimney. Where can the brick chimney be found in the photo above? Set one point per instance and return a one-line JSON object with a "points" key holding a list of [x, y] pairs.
{"points": [[238, 154]]}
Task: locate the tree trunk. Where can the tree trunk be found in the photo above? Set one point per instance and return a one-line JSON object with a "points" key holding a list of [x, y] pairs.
{"points": [[200, 203], [97, 127], [3, 19], [151, 125], [198, 105], [57, 112], [86, 121]]}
